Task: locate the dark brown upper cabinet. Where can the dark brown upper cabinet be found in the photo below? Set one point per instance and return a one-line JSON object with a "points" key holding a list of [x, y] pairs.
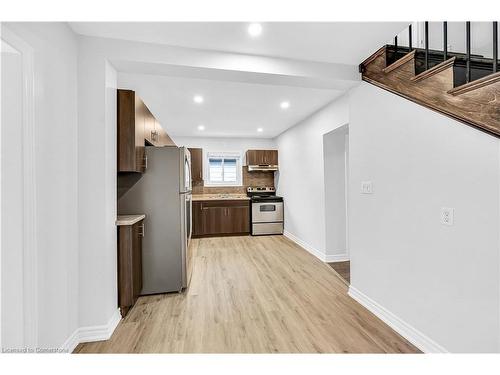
{"points": [[262, 157], [196, 164], [130, 132], [136, 127]]}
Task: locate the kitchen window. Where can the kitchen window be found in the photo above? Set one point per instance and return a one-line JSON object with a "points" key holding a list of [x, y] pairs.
{"points": [[223, 169]]}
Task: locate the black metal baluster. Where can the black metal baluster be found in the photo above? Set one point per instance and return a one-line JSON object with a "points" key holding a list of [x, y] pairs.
{"points": [[410, 36], [445, 40], [395, 48], [467, 52], [495, 46], [426, 45]]}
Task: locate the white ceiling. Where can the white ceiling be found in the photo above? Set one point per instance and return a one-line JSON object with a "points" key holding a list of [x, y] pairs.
{"points": [[230, 109], [336, 42], [235, 107]]}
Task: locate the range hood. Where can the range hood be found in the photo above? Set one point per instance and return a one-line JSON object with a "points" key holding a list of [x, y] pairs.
{"points": [[262, 168]]}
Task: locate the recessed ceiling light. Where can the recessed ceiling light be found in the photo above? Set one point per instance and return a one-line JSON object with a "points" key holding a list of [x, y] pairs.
{"points": [[285, 105], [260, 130], [201, 127], [255, 29], [198, 99]]}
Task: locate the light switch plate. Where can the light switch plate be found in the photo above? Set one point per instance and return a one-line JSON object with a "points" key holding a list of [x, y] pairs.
{"points": [[366, 187], [447, 215]]}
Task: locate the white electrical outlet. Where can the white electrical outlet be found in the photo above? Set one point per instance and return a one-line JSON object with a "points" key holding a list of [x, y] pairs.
{"points": [[366, 187], [447, 215]]}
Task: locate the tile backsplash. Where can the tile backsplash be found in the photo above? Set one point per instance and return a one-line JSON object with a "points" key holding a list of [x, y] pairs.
{"points": [[256, 178]]}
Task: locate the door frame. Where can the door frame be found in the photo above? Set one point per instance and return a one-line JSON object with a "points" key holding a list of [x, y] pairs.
{"points": [[29, 240]]}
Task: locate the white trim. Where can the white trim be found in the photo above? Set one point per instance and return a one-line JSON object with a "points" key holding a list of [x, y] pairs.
{"points": [[417, 338], [222, 154], [309, 248], [336, 258], [92, 333], [318, 254], [30, 275]]}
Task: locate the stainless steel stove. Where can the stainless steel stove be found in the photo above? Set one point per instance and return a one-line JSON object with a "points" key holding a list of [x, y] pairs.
{"points": [[267, 211]]}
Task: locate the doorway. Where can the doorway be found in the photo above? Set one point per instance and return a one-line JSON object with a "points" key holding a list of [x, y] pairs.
{"points": [[18, 303], [336, 172]]}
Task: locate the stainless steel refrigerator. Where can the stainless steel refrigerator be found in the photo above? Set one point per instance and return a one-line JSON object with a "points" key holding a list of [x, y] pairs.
{"points": [[163, 194]]}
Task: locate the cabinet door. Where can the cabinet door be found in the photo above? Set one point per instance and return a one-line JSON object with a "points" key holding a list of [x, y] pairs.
{"points": [[197, 218], [213, 220], [238, 219], [254, 157], [138, 234], [196, 164], [125, 284], [270, 157], [140, 152], [130, 141]]}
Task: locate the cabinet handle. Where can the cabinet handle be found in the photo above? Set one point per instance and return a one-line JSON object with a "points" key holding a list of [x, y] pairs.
{"points": [[141, 233]]}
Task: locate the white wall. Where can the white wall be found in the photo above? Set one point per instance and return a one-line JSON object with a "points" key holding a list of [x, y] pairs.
{"points": [[335, 151], [240, 145], [97, 187], [55, 67], [301, 178], [441, 280], [12, 322]]}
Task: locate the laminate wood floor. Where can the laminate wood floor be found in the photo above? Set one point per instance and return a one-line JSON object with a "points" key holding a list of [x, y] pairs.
{"points": [[343, 269], [253, 295]]}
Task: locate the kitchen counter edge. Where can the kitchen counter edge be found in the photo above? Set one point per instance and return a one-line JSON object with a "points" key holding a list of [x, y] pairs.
{"points": [[129, 219]]}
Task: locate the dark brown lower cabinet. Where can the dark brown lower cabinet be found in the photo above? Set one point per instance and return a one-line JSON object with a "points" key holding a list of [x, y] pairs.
{"points": [[129, 265], [224, 217]]}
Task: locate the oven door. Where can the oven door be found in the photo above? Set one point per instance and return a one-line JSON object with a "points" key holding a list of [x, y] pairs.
{"points": [[267, 212]]}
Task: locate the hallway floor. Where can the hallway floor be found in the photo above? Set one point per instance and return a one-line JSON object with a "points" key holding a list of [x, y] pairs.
{"points": [[343, 269], [253, 295]]}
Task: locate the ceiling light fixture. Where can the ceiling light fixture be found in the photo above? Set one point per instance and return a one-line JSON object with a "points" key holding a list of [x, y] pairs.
{"points": [[198, 99], [255, 29], [284, 105], [260, 130], [201, 127]]}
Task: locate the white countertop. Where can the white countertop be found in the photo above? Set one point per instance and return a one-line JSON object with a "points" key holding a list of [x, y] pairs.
{"points": [[128, 219]]}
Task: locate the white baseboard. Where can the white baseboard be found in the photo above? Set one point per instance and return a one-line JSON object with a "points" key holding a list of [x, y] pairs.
{"points": [[337, 258], [92, 333], [318, 254], [417, 338]]}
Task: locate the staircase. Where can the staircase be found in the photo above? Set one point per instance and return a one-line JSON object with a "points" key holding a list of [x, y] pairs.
{"points": [[463, 86]]}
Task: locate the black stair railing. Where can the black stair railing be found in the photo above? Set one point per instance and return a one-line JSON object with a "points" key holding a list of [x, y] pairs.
{"points": [[410, 38], [469, 66], [495, 47], [445, 40], [426, 32], [467, 52]]}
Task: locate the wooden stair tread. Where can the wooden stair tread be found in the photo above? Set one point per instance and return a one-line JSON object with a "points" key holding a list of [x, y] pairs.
{"points": [[434, 70], [478, 83], [480, 109], [379, 52], [399, 62]]}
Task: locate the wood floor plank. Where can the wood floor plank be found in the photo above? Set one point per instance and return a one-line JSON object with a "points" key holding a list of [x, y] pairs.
{"points": [[253, 295]]}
